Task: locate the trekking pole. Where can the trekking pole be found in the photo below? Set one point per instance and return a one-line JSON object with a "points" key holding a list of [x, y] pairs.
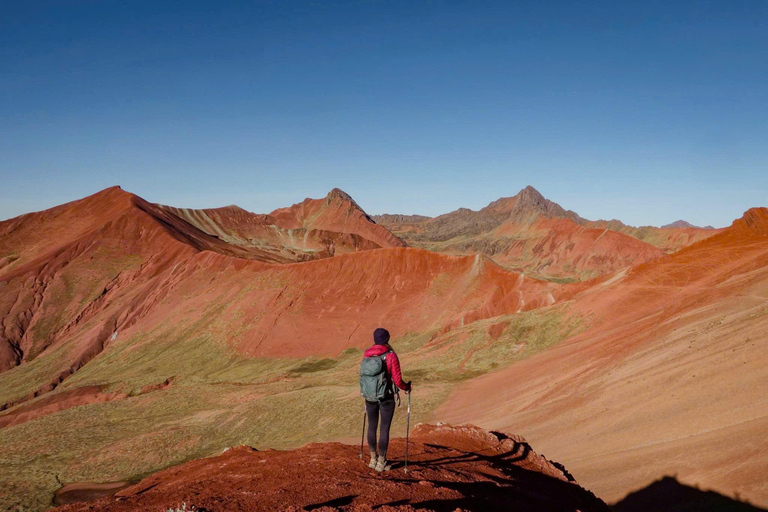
{"points": [[407, 430], [362, 436]]}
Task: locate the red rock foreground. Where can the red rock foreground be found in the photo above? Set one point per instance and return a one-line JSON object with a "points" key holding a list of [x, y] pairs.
{"points": [[449, 468]]}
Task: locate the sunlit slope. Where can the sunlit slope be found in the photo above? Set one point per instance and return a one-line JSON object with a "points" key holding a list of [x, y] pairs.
{"points": [[68, 263], [142, 266], [315, 228], [669, 379], [337, 212], [76, 274]]}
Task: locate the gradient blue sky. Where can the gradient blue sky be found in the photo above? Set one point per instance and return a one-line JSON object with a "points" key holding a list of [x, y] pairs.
{"points": [[644, 111]]}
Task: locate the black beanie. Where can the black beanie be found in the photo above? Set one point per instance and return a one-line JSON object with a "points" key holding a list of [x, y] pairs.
{"points": [[380, 336]]}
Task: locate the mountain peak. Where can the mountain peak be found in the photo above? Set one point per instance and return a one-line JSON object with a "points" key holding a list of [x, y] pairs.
{"points": [[684, 224], [678, 224], [113, 191], [340, 194], [529, 200], [530, 192]]}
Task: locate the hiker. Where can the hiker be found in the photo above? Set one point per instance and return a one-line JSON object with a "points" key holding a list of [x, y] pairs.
{"points": [[378, 385]]}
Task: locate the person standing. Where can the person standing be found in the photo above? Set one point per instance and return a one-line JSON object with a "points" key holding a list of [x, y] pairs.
{"points": [[380, 377]]}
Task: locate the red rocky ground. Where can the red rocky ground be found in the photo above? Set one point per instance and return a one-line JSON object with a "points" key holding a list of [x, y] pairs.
{"points": [[450, 468]]}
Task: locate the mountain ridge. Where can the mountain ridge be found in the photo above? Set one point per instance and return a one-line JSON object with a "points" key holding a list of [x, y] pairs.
{"points": [[527, 232], [116, 311]]}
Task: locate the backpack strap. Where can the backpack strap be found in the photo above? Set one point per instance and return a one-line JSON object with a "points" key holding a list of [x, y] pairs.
{"points": [[392, 386]]}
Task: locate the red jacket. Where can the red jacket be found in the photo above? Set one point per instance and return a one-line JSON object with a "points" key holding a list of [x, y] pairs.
{"points": [[393, 364]]}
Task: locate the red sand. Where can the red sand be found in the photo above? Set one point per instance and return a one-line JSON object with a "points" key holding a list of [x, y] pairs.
{"points": [[461, 468]]}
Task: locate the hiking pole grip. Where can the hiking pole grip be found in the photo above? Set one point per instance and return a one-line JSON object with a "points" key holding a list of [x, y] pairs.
{"points": [[362, 436], [407, 430]]}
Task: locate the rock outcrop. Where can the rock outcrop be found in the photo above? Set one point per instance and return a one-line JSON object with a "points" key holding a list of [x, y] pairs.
{"points": [[449, 468]]}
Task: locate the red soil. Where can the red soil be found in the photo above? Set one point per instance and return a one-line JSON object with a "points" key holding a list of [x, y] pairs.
{"points": [[558, 246], [670, 373], [449, 469], [84, 492], [59, 401], [43, 294], [669, 379], [411, 290]]}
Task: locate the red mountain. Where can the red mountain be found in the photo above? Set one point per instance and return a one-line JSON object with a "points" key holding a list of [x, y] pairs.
{"points": [[135, 337], [527, 233], [337, 212], [668, 379]]}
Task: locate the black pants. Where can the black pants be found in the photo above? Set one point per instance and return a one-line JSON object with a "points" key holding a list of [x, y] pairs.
{"points": [[387, 408]]}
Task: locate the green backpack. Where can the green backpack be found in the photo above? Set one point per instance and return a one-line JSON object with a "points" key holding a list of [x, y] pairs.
{"points": [[374, 380]]}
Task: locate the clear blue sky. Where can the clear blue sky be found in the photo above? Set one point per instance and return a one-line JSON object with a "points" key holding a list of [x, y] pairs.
{"points": [[646, 111]]}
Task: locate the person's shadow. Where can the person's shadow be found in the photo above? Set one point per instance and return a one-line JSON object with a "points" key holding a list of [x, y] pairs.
{"points": [[669, 495]]}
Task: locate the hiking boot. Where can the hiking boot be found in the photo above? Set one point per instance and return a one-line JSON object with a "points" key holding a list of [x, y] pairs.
{"points": [[374, 460], [383, 464]]}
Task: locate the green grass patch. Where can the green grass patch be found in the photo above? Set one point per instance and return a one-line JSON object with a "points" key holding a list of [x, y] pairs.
{"points": [[27, 378]]}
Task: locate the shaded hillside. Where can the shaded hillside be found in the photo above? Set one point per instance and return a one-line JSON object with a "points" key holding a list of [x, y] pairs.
{"points": [[449, 468], [527, 233], [670, 377]]}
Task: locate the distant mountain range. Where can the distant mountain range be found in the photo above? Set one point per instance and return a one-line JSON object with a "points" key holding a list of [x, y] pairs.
{"points": [[683, 224], [529, 233]]}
